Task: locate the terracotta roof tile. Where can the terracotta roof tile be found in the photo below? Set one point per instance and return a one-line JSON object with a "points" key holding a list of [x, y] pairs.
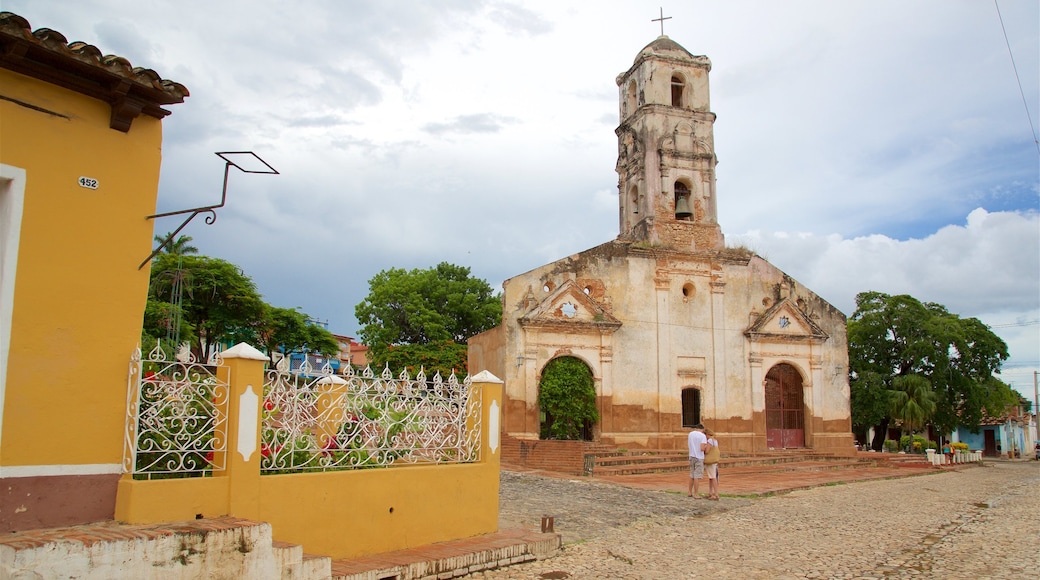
{"points": [[47, 55]]}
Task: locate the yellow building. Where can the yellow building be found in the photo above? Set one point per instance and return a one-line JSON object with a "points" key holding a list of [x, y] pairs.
{"points": [[80, 150]]}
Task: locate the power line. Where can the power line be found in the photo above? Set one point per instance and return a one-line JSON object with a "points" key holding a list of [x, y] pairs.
{"points": [[1025, 104], [1014, 324]]}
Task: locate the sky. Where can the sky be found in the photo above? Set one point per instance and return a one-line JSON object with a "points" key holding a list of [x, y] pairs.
{"points": [[863, 145]]}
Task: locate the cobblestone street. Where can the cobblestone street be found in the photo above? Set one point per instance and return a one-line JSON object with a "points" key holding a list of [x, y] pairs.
{"points": [[981, 522]]}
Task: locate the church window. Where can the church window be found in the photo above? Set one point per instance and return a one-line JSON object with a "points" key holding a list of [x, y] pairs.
{"points": [[630, 100], [687, 291], [691, 407], [682, 201], [678, 85], [569, 310], [549, 287], [634, 194]]}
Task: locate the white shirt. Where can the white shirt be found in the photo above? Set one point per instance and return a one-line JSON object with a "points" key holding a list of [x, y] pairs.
{"points": [[695, 439]]}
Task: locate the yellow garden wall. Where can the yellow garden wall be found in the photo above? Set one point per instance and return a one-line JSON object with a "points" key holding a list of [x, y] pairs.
{"points": [[354, 513], [341, 514], [78, 295]]}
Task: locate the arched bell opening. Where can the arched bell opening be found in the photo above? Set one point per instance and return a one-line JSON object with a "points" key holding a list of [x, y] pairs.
{"points": [[678, 88], [682, 201]]}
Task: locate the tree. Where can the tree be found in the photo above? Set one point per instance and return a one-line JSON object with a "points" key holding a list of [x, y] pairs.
{"points": [[179, 247], [443, 305], [218, 301], [444, 357], [912, 401], [287, 330], [898, 336]]}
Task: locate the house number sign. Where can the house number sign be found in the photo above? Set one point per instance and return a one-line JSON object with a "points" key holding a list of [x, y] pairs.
{"points": [[88, 182]]}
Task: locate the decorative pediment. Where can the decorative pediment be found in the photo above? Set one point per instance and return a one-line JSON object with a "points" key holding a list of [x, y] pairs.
{"points": [[785, 322], [568, 307]]}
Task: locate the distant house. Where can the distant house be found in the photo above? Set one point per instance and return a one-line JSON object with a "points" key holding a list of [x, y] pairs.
{"points": [[79, 176], [351, 351], [1013, 432]]}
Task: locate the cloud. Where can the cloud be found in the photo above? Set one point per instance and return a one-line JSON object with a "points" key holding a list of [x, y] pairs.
{"points": [[518, 19], [969, 268], [464, 124], [862, 145]]}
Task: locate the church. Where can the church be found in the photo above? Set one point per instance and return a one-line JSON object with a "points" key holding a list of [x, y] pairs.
{"points": [[676, 328]]}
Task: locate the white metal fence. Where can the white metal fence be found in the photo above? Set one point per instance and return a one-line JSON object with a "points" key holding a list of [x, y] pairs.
{"points": [[312, 420], [176, 415], [320, 420]]}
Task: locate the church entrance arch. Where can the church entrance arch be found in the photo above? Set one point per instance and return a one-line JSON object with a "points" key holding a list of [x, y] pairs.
{"points": [[567, 400], [785, 409]]}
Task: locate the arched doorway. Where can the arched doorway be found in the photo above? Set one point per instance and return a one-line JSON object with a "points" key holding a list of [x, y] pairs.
{"points": [[567, 400], [785, 410]]}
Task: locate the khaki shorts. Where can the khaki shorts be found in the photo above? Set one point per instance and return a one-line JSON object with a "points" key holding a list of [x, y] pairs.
{"points": [[712, 471], [696, 468]]}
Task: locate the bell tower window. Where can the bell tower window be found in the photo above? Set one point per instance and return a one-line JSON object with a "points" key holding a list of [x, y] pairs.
{"points": [[678, 86], [630, 100], [682, 201]]}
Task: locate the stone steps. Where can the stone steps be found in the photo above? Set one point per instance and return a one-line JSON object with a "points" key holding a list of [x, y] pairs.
{"points": [[296, 565], [663, 461]]}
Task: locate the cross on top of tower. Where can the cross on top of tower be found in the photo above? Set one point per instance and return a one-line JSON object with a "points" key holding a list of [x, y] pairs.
{"points": [[661, 20]]}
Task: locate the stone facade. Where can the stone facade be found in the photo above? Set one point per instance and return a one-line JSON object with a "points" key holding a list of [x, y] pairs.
{"points": [[676, 328]]}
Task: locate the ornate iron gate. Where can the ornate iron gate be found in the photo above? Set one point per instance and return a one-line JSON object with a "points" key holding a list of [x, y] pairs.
{"points": [[785, 410]]}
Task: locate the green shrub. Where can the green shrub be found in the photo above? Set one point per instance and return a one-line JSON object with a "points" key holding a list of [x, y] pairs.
{"points": [[567, 399], [891, 446], [919, 444]]}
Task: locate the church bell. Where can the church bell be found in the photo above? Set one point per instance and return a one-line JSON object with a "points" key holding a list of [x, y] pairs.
{"points": [[682, 208]]}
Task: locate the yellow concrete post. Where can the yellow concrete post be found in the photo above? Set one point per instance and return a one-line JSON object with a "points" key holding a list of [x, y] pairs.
{"points": [[490, 388], [331, 394], [244, 366]]}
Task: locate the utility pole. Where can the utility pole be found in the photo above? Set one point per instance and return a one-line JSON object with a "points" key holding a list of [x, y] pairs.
{"points": [[1036, 402]]}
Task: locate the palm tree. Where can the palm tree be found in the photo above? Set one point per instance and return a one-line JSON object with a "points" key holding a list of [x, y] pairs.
{"points": [[180, 247], [912, 401]]}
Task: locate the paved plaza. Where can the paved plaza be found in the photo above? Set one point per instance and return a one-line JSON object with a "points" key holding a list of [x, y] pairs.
{"points": [[982, 522]]}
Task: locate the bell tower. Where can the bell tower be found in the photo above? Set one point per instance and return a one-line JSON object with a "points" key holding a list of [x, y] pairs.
{"points": [[666, 150]]}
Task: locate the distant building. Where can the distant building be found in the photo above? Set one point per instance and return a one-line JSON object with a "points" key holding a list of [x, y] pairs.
{"points": [[351, 351], [1012, 432], [676, 328]]}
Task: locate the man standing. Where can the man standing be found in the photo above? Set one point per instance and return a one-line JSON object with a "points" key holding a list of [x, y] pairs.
{"points": [[696, 441]]}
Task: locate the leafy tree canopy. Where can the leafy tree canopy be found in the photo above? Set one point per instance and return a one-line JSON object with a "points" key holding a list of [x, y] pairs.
{"points": [[444, 357], [891, 337], [209, 301], [421, 307], [216, 299], [180, 245]]}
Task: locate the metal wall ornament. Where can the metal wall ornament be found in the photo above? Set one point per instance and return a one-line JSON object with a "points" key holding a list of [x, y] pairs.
{"points": [[229, 158], [176, 415]]}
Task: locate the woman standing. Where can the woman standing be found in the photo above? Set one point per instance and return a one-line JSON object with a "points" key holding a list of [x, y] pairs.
{"points": [[711, 463]]}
